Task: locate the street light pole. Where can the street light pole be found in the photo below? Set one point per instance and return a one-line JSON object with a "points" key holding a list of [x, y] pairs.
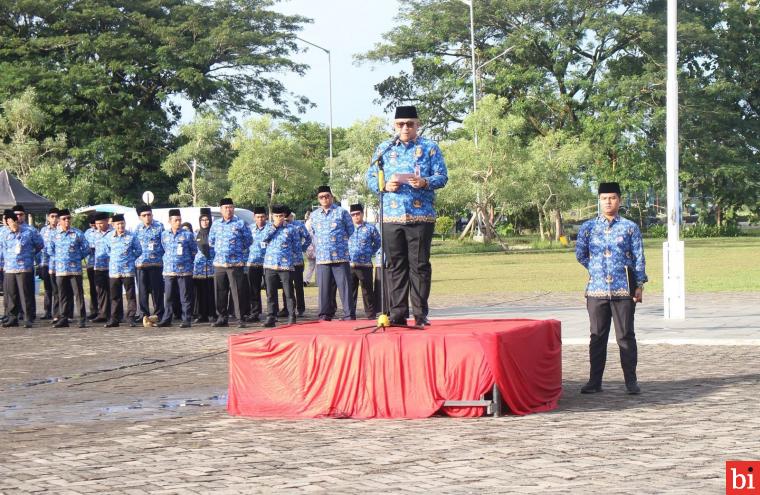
{"points": [[329, 79], [472, 53], [673, 249]]}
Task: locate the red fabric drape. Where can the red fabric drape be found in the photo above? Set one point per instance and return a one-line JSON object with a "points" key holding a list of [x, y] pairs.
{"points": [[328, 369]]}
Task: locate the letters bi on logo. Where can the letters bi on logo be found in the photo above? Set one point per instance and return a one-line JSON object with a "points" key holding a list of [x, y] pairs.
{"points": [[742, 477]]}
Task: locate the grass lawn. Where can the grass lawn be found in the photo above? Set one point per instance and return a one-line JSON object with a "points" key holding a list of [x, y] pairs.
{"points": [[712, 265]]}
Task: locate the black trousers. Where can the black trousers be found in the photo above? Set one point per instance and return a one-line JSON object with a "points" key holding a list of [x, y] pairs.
{"points": [[50, 301], [178, 290], [407, 251], [204, 298], [362, 275], [92, 291], [255, 283], [103, 293], [71, 288], [601, 312], [115, 286], [229, 281], [332, 276], [274, 279], [297, 286], [150, 281], [18, 289]]}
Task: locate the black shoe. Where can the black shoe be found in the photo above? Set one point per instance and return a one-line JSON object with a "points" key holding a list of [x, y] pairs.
{"points": [[62, 323], [348, 318], [184, 324], [46, 316], [422, 322], [253, 319], [282, 313], [591, 388], [111, 324], [242, 324], [28, 324], [164, 324], [220, 323], [11, 322], [92, 317], [82, 323], [100, 320], [292, 320], [200, 320], [325, 318], [132, 323], [300, 313], [270, 322], [632, 388]]}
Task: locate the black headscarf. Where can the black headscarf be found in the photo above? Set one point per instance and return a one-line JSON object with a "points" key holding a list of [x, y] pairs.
{"points": [[202, 237]]}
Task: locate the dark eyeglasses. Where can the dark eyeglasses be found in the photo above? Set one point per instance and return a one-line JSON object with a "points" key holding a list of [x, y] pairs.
{"points": [[323, 196], [408, 123], [355, 213]]}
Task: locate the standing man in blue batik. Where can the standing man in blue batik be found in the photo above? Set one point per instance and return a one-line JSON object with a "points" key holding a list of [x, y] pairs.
{"points": [[20, 212], [67, 251], [299, 248], [179, 252], [19, 246], [231, 238], [610, 247], [362, 245], [279, 239], [149, 266], [47, 269], [123, 251], [255, 262], [98, 247], [90, 263], [332, 227], [414, 169]]}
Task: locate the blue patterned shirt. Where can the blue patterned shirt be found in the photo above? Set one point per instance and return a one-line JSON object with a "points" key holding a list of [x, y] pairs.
{"points": [[606, 249], [19, 249], [123, 250], [179, 253], [332, 229], [99, 249], [422, 157], [280, 241], [363, 244], [258, 246], [203, 267], [230, 239], [150, 243], [302, 243], [88, 235], [67, 251], [47, 232]]}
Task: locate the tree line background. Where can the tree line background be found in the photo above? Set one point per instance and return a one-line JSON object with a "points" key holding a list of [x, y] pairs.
{"points": [[569, 94]]}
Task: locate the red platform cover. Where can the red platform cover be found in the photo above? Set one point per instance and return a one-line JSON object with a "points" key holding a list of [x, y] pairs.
{"points": [[326, 369]]}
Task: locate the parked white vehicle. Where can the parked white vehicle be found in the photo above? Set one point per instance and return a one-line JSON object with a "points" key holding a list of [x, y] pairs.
{"points": [[189, 214]]}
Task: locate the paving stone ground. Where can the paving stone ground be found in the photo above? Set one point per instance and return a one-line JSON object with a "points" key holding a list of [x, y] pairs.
{"points": [[142, 411]]}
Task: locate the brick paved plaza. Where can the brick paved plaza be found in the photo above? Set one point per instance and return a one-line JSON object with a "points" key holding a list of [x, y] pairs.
{"points": [[133, 410]]}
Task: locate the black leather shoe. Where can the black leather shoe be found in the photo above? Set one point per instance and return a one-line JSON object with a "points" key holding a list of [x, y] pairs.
{"points": [[325, 318], [46, 316], [184, 324], [111, 324], [200, 320], [282, 313], [164, 324], [242, 324], [11, 322], [632, 388], [82, 323], [348, 318], [28, 324], [220, 323], [292, 320], [99, 320], [422, 322], [591, 388], [62, 323], [92, 317], [300, 313], [253, 319], [270, 322]]}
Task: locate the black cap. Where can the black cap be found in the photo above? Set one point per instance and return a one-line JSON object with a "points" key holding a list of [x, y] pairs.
{"points": [[406, 112], [19, 208], [609, 187], [8, 213], [174, 212], [259, 210], [143, 208], [226, 201], [100, 215], [64, 212], [322, 189], [356, 207], [118, 217], [90, 217], [279, 209], [52, 211], [206, 211]]}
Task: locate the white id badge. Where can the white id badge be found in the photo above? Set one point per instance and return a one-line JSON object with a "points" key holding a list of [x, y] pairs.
{"points": [[151, 246], [18, 248], [263, 245], [179, 249]]}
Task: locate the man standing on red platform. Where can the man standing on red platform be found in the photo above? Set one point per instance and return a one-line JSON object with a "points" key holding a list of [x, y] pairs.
{"points": [[414, 169], [611, 248]]}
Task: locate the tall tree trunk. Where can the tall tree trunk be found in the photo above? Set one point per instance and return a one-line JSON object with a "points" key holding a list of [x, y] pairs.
{"points": [[558, 230], [540, 222], [193, 173], [718, 214]]}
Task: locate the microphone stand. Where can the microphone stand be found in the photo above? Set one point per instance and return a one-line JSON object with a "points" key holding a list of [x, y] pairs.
{"points": [[383, 320]]}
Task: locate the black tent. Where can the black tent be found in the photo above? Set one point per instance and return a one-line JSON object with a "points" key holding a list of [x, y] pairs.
{"points": [[13, 192]]}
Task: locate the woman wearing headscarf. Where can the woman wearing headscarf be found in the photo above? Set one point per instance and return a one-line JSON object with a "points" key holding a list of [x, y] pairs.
{"points": [[203, 272]]}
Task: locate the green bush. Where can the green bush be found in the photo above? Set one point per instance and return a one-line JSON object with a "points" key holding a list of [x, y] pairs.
{"points": [[704, 230], [505, 230], [443, 225], [657, 231]]}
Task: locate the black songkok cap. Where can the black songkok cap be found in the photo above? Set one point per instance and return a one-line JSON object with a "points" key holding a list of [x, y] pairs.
{"points": [[118, 217], [279, 209], [356, 207], [174, 212], [64, 212], [9, 214], [259, 210], [100, 215], [90, 217], [52, 210], [206, 211], [408, 112], [226, 201], [19, 208], [609, 187], [143, 208], [322, 189]]}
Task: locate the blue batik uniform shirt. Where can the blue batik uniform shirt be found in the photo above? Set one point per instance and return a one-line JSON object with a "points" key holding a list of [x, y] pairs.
{"points": [[279, 241], [67, 251], [19, 249], [606, 248], [258, 245], [99, 247], [89, 236], [302, 243], [332, 229], [421, 157], [230, 239], [123, 251], [363, 244], [150, 243], [179, 253], [47, 232]]}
